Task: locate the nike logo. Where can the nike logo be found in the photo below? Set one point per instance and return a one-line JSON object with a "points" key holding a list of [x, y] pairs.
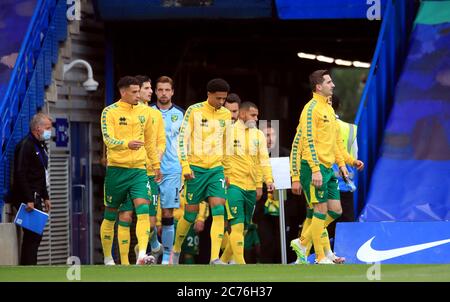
{"points": [[367, 254]]}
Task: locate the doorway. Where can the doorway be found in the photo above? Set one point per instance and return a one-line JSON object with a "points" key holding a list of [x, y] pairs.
{"points": [[81, 188]]}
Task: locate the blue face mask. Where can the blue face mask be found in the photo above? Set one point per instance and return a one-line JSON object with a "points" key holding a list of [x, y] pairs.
{"points": [[46, 135]]}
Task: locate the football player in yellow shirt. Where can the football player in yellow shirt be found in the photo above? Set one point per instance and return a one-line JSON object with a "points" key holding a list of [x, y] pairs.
{"points": [[246, 163], [201, 152], [126, 209], [130, 138]]}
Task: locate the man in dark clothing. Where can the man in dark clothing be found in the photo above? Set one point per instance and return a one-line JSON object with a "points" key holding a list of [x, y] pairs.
{"points": [[30, 179]]}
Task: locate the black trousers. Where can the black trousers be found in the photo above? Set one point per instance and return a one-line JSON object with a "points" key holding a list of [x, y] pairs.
{"points": [[30, 246]]}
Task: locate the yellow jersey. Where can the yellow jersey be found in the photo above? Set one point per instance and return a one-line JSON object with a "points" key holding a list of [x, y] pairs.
{"points": [[318, 137], [348, 159], [247, 160], [296, 151], [296, 154], [158, 123], [202, 135], [121, 123]]}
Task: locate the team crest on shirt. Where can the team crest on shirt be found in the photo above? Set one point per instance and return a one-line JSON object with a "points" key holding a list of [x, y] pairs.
{"points": [[320, 193], [109, 198], [142, 119], [190, 196], [222, 123], [174, 118]]}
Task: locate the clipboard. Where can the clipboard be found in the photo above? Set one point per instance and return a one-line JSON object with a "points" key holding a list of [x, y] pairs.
{"points": [[34, 220]]}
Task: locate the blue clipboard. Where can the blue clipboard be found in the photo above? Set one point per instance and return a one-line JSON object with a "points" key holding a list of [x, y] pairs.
{"points": [[34, 220]]}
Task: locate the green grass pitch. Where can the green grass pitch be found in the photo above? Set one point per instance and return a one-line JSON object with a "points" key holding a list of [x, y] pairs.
{"points": [[230, 273]]}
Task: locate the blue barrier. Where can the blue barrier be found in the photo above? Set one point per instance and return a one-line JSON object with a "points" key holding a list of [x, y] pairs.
{"points": [[416, 138], [312, 9], [376, 100], [31, 74], [393, 242]]}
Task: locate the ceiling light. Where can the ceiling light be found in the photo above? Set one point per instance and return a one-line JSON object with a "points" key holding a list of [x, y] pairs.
{"points": [[361, 64], [325, 59], [306, 56], [343, 62]]}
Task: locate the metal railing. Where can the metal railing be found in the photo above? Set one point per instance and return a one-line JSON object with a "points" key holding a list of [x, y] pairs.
{"points": [[31, 74]]}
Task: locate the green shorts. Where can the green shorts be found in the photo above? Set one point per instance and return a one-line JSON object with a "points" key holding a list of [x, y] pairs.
{"points": [[207, 183], [122, 184], [191, 242], [240, 205], [328, 190], [153, 198], [154, 195]]}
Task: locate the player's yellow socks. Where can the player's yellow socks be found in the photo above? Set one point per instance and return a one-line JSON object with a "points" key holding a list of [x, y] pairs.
{"points": [[228, 251], [107, 232], [308, 219], [306, 230], [308, 248], [217, 227], [331, 216], [317, 227], [123, 237], [142, 228], [183, 226], [306, 236], [305, 226], [237, 242], [325, 239], [224, 240]]}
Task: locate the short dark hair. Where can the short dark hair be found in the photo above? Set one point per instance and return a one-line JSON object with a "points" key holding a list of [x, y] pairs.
{"points": [[247, 106], [142, 79], [335, 101], [316, 78], [126, 81], [164, 79], [218, 85], [233, 98]]}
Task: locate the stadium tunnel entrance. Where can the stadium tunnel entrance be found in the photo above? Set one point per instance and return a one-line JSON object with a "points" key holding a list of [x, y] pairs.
{"points": [[258, 57]]}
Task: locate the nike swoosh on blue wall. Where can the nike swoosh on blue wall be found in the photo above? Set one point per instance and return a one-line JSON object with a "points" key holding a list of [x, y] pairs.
{"points": [[367, 254]]}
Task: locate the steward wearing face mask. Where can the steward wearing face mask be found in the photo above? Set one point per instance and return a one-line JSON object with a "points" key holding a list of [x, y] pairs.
{"points": [[31, 180]]}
